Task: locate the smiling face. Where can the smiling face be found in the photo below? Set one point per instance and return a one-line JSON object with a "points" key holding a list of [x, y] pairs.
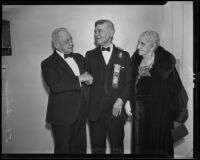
{"points": [[144, 46], [148, 43], [64, 42], [103, 34]]}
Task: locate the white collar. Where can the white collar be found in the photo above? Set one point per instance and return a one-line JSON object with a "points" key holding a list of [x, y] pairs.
{"points": [[60, 53]]}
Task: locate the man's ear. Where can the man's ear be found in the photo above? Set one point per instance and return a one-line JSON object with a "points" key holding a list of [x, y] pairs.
{"points": [[111, 33], [56, 44]]}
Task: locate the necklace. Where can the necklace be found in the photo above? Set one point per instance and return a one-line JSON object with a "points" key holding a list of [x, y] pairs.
{"points": [[147, 62], [144, 68]]}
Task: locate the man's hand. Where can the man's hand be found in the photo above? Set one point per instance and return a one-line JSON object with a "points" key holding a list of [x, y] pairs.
{"points": [[128, 109], [90, 79], [86, 78], [117, 108]]}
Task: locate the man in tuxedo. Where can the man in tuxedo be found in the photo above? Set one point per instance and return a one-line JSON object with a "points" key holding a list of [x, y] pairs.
{"points": [[64, 73], [110, 68]]}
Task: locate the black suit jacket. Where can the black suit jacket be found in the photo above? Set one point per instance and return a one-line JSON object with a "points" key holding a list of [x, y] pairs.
{"points": [[65, 93], [102, 90]]}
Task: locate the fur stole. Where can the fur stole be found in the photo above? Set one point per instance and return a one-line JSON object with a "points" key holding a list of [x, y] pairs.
{"points": [[163, 63]]}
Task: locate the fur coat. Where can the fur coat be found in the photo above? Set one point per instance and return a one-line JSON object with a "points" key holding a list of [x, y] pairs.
{"points": [[168, 102]]}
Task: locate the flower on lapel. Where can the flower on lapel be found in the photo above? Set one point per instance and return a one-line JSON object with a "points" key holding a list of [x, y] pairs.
{"points": [[120, 54], [118, 67]]}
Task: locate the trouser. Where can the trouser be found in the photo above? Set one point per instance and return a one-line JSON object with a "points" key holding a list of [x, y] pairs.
{"points": [[111, 126], [71, 139]]}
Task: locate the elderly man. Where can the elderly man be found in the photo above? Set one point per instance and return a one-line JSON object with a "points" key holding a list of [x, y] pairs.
{"points": [[64, 73], [111, 71]]}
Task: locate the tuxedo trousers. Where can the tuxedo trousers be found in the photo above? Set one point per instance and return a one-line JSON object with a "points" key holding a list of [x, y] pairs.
{"points": [[71, 139], [107, 126]]}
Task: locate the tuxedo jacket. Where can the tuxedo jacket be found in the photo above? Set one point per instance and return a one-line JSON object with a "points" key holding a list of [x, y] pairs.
{"points": [[65, 92], [102, 93]]}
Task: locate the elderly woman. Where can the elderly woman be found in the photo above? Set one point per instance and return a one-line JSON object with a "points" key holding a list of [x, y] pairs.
{"points": [[157, 98]]}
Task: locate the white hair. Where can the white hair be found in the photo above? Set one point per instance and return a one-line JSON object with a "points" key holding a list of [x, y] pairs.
{"points": [[55, 35], [151, 36]]}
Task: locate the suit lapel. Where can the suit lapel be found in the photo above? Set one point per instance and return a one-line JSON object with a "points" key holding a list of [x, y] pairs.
{"points": [[80, 64], [100, 62], [61, 62], [114, 56], [100, 57]]}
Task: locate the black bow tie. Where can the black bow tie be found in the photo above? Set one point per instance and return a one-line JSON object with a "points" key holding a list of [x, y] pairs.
{"points": [[68, 55], [105, 49]]}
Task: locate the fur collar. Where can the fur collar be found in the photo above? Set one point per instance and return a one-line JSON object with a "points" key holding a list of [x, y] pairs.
{"points": [[164, 61]]}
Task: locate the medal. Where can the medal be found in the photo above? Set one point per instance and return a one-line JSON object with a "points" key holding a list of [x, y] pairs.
{"points": [[116, 74]]}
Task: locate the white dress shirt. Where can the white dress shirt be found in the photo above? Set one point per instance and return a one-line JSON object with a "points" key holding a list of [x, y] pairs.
{"points": [[72, 63], [107, 54]]}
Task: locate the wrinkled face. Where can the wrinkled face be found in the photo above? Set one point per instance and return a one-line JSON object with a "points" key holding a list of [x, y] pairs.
{"points": [[144, 47], [103, 34], [64, 42]]}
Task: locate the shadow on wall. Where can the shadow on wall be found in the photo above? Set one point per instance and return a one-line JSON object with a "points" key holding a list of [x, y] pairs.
{"points": [[47, 125], [46, 88]]}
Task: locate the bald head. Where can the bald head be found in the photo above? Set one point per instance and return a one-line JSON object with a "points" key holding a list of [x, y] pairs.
{"points": [[62, 40]]}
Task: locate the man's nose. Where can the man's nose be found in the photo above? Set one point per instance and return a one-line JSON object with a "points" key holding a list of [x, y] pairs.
{"points": [[96, 33], [138, 46]]}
